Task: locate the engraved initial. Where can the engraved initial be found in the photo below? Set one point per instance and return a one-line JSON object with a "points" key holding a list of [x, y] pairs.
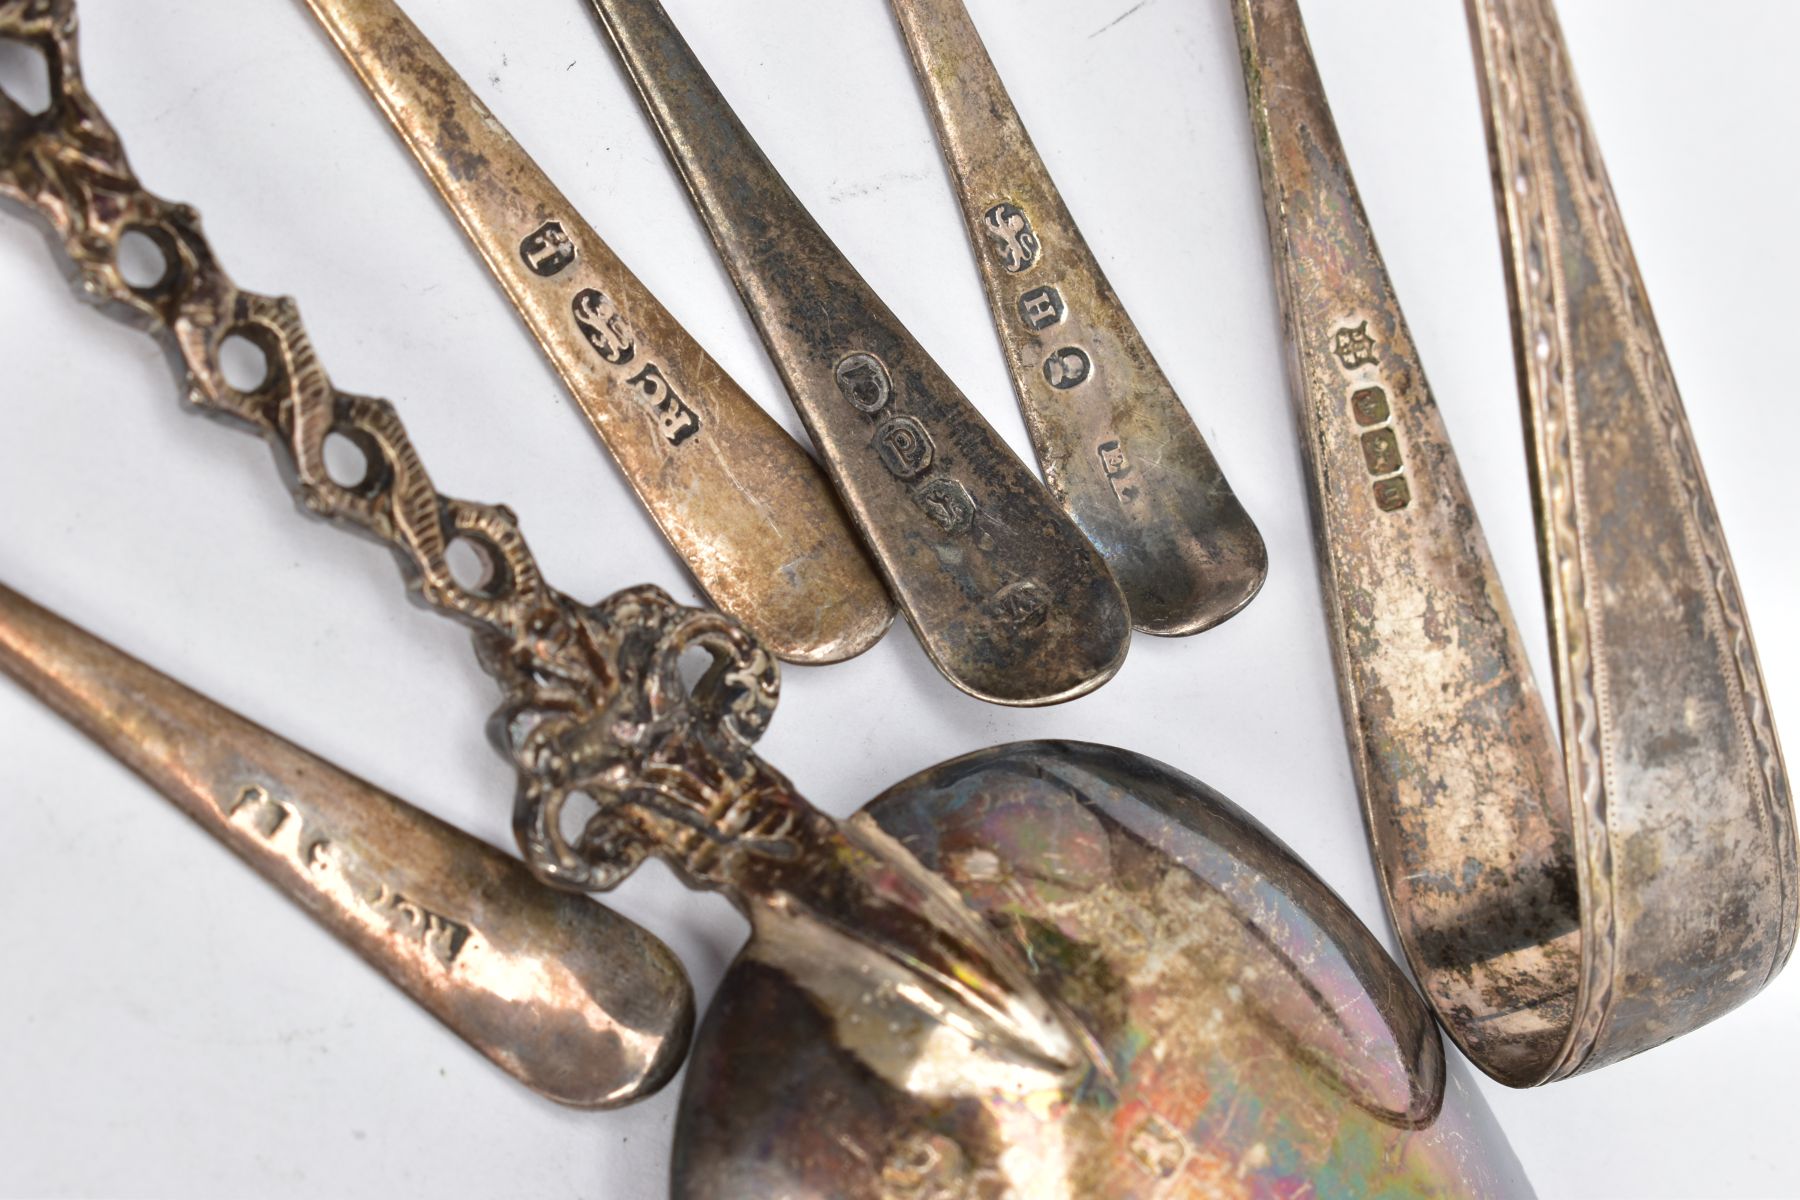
{"points": [[1011, 238], [548, 250]]}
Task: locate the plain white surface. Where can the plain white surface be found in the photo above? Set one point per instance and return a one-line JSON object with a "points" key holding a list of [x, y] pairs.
{"points": [[171, 1027]]}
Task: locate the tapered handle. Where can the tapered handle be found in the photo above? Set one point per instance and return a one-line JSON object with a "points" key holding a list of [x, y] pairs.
{"points": [[738, 498], [1009, 599], [569, 997], [1684, 809], [1452, 747], [1116, 445]]}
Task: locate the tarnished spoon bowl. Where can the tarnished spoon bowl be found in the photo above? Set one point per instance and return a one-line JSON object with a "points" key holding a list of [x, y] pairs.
{"points": [[1256, 1041]]}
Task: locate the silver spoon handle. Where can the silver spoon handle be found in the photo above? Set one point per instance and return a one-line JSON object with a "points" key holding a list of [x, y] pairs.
{"points": [[573, 1000], [736, 496], [1117, 447], [1009, 599]]}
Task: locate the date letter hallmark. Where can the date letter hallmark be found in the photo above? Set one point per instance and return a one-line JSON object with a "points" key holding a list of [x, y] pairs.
{"points": [[679, 422], [864, 381], [604, 326], [905, 447], [1068, 367], [1041, 308], [549, 250], [1118, 470], [1011, 237]]}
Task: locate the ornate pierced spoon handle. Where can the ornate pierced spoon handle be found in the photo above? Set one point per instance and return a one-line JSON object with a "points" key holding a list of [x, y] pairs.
{"points": [[596, 710], [1683, 809], [1008, 598], [737, 497], [1117, 447], [564, 994], [1520, 899]]}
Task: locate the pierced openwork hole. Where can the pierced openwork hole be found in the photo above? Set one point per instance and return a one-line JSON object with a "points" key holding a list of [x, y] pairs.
{"points": [[476, 567], [25, 76], [578, 809], [696, 665], [354, 463], [147, 260], [250, 359]]}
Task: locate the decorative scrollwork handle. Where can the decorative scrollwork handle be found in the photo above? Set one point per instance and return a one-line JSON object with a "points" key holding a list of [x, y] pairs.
{"points": [[594, 701]]}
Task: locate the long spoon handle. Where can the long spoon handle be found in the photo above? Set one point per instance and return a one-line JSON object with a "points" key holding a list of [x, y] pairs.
{"points": [[1117, 447], [68, 166], [737, 497], [1453, 750], [565, 995], [1009, 599], [1682, 795]]}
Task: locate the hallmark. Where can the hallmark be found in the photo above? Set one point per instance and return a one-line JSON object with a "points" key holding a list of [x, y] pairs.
{"points": [[679, 422], [1068, 367], [947, 502], [905, 446], [1041, 308], [604, 326], [1354, 347], [865, 382], [1011, 237], [549, 250]]}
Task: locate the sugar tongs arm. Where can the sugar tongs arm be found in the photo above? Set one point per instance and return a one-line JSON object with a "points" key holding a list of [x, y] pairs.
{"points": [[571, 999], [1561, 911]]}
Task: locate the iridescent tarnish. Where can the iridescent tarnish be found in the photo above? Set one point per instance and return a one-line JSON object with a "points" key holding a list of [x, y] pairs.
{"points": [[1008, 598], [735, 495], [1117, 447], [572, 999], [1257, 1041], [1560, 915]]}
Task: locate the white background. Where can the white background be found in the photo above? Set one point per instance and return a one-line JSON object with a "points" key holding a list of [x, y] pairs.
{"points": [[170, 1027]]}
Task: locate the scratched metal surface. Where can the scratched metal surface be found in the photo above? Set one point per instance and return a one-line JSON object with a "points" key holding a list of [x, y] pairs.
{"points": [[205, 1041]]}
